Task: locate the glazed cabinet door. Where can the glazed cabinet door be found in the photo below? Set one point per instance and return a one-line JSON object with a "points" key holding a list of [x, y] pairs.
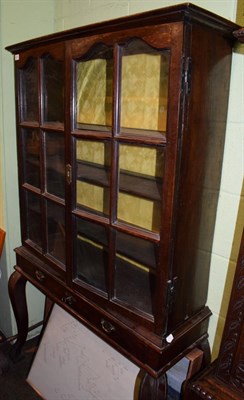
{"points": [[41, 144], [120, 122]]}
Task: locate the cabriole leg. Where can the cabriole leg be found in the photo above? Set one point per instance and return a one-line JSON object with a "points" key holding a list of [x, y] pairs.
{"points": [[153, 388], [17, 294]]}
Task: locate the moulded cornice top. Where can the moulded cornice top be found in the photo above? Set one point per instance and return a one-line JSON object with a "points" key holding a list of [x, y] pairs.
{"points": [[180, 12]]}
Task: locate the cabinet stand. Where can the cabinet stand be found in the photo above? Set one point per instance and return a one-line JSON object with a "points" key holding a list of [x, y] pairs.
{"points": [[154, 388]]}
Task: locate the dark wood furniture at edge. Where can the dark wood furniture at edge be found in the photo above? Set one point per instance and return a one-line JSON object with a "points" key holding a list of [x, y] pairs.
{"points": [[224, 379], [163, 315]]}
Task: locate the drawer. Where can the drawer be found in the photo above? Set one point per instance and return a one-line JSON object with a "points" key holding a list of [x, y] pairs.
{"points": [[116, 333]]}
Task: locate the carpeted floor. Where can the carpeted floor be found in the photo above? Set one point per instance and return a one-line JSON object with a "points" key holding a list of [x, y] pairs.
{"points": [[13, 385]]}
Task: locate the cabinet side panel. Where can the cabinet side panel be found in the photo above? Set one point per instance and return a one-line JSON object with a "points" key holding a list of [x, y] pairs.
{"points": [[200, 170]]}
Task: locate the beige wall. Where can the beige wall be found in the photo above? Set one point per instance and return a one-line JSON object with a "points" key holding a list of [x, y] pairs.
{"points": [[71, 13]]}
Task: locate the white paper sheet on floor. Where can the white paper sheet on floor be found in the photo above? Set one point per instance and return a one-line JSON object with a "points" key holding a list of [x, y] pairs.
{"points": [[72, 363]]}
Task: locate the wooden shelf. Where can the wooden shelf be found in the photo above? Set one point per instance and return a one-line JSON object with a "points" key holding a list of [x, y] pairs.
{"points": [[52, 126], [140, 185], [135, 184], [128, 247], [93, 173]]}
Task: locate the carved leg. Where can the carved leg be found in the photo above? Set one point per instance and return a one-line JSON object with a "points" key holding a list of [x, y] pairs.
{"points": [[153, 388], [17, 284]]}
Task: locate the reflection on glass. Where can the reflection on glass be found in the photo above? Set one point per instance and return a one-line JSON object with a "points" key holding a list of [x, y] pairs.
{"points": [[93, 173], [53, 90], [31, 144], [33, 218], [29, 91], [144, 88], [135, 272], [91, 254], [56, 231], [94, 75], [141, 171], [55, 163]]}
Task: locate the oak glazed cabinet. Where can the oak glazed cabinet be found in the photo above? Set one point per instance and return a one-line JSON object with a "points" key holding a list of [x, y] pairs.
{"points": [[120, 129]]}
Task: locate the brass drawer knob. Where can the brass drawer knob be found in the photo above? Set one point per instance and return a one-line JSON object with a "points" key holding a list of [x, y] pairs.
{"points": [[107, 326], [70, 300], [40, 276]]}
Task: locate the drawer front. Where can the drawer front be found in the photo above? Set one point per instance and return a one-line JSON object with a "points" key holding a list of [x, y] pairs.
{"points": [[117, 334]]}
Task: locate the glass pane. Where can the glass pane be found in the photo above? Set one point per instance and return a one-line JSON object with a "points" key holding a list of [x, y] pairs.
{"points": [[56, 231], [141, 171], [31, 144], [55, 163], [53, 90], [94, 75], [135, 271], [93, 174], [144, 88], [92, 254], [33, 218], [29, 91]]}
